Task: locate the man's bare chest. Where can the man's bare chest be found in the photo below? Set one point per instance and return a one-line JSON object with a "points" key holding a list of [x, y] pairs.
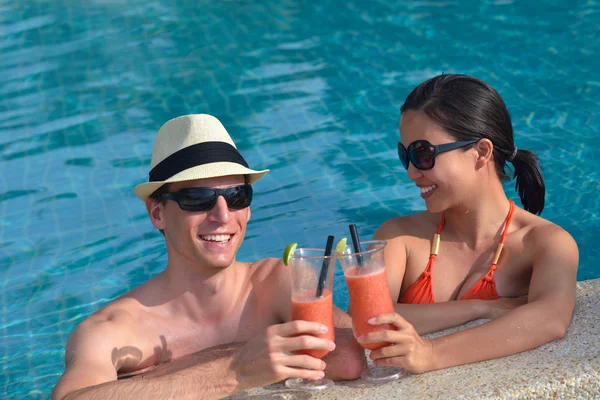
{"points": [[165, 339]]}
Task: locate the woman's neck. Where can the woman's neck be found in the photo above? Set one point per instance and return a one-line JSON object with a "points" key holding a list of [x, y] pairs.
{"points": [[480, 219]]}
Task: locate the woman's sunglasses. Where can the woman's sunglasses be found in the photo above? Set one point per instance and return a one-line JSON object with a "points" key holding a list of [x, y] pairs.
{"points": [[422, 153], [204, 199]]}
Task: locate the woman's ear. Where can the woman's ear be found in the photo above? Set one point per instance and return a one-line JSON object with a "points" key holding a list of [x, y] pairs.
{"points": [[485, 150]]}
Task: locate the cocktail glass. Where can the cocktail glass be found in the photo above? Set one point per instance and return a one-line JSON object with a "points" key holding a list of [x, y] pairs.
{"points": [[312, 300], [369, 297]]}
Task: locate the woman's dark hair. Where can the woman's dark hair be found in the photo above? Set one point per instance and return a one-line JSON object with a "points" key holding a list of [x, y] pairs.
{"points": [[468, 108]]}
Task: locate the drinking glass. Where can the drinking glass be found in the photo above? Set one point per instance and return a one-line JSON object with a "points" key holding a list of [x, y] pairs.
{"points": [[369, 297], [312, 300]]}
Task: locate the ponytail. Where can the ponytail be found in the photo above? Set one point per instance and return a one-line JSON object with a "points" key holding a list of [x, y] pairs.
{"points": [[530, 183]]}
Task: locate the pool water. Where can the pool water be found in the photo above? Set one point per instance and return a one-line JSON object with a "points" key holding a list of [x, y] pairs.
{"points": [[310, 90]]}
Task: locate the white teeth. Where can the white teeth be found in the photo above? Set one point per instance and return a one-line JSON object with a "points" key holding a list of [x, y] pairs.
{"points": [[216, 238], [428, 189]]}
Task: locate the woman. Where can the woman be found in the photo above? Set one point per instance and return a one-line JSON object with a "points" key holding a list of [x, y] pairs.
{"points": [[488, 258]]}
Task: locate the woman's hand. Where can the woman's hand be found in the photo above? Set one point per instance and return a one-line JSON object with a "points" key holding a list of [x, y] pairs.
{"points": [[407, 350]]}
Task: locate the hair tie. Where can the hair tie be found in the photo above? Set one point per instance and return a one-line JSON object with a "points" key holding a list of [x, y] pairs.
{"points": [[512, 156]]}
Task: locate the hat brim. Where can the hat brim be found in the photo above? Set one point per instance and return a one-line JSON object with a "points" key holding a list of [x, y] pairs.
{"points": [[212, 170]]}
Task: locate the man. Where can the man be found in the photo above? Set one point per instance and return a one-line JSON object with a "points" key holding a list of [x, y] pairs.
{"points": [[207, 326]]}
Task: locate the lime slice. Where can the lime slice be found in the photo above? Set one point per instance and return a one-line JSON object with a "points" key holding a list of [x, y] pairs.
{"points": [[289, 252], [340, 247]]}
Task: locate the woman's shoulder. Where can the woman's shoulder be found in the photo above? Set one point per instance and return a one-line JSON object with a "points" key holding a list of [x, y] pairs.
{"points": [[542, 235], [534, 224], [417, 224]]}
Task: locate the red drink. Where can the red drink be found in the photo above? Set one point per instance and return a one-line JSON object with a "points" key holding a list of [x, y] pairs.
{"points": [[306, 307], [369, 297], [312, 274]]}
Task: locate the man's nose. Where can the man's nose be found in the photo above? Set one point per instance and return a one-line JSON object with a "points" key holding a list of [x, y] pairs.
{"points": [[220, 212]]}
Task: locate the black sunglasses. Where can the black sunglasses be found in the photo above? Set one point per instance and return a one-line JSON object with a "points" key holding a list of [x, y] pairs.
{"points": [[204, 199], [422, 153]]}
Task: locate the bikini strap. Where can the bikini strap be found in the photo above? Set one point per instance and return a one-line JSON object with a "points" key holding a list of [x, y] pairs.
{"points": [[435, 242], [441, 224], [490, 274], [511, 211], [435, 246]]}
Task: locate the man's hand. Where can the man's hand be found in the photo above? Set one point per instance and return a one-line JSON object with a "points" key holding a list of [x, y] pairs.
{"points": [[271, 358]]}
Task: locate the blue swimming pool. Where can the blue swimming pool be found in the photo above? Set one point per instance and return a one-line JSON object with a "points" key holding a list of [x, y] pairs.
{"points": [[310, 91]]}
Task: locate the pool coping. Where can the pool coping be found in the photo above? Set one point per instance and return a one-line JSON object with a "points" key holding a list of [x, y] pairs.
{"points": [[565, 368]]}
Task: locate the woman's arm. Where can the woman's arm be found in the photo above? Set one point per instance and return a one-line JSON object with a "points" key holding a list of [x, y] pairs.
{"points": [[545, 318], [427, 318]]}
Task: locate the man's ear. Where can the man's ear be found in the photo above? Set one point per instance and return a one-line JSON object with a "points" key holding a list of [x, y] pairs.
{"points": [[249, 213], [156, 212], [485, 150]]}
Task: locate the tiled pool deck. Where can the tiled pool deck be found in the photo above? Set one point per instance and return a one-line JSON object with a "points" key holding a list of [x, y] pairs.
{"points": [[564, 369]]}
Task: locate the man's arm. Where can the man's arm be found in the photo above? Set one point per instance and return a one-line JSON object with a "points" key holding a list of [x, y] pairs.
{"points": [[94, 355], [89, 354], [210, 374], [207, 374]]}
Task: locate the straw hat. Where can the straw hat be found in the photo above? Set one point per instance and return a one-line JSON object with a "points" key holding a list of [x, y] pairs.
{"points": [[195, 146]]}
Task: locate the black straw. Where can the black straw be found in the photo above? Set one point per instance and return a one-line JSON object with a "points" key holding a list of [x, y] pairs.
{"points": [[356, 243], [325, 267]]}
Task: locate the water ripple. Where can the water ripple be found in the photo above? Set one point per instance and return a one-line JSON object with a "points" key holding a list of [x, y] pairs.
{"points": [[7, 75], [26, 25]]}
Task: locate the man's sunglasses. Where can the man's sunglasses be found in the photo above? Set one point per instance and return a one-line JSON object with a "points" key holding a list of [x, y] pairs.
{"points": [[422, 153], [204, 199]]}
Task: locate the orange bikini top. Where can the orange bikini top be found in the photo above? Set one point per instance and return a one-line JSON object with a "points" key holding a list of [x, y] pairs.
{"points": [[421, 292]]}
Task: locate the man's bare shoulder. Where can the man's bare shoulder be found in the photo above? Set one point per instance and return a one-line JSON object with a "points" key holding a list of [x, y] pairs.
{"points": [[96, 348], [116, 312], [116, 322], [271, 283], [97, 336], [271, 277], [114, 317], [268, 271]]}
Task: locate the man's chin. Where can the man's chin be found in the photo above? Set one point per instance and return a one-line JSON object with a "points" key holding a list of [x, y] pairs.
{"points": [[220, 264]]}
